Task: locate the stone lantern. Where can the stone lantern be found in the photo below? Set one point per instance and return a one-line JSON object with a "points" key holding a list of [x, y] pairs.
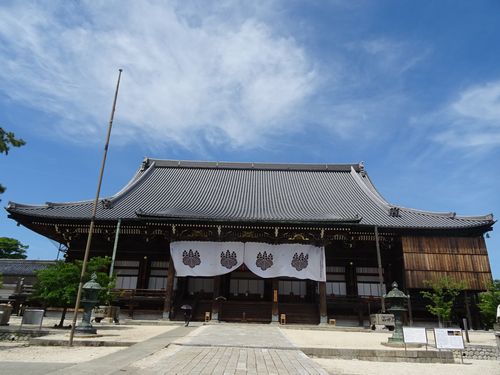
{"points": [[91, 291], [396, 299]]}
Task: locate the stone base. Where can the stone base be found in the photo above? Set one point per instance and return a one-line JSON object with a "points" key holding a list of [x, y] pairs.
{"points": [[91, 331], [384, 355], [400, 344], [396, 340]]}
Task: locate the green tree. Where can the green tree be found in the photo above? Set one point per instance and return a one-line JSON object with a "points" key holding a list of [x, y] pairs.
{"points": [[442, 295], [57, 285], [488, 303], [8, 140], [12, 249]]}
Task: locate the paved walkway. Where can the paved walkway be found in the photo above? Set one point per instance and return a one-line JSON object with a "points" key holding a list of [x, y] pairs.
{"points": [[198, 349], [115, 361], [228, 349]]}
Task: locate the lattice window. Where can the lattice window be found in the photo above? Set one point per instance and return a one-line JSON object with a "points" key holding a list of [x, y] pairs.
{"points": [[158, 275], [368, 282], [246, 286], [200, 284], [127, 273], [292, 287], [335, 281]]}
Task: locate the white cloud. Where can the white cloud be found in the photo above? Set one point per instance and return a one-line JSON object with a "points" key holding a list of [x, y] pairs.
{"points": [[395, 56], [473, 119], [188, 80]]}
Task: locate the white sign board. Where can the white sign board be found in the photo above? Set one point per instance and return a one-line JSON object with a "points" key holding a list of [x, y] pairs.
{"points": [[448, 338], [414, 335]]}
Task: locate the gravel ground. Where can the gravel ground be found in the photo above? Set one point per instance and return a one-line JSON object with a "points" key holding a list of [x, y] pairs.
{"points": [[366, 339], [355, 367], [10, 352]]}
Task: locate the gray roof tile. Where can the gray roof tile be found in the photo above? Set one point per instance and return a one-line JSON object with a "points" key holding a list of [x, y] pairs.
{"points": [[22, 267], [252, 192]]}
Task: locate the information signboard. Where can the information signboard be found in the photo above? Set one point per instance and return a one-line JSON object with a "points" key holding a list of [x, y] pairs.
{"points": [[448, 338], [413, 335]]}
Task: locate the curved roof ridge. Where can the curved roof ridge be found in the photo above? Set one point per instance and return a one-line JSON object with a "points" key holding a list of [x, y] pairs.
{"points": [[450, 214], [138, 176], [12, 204], [321, 167], [376, 198], [146, 167], [368, 182], [186, 215]]}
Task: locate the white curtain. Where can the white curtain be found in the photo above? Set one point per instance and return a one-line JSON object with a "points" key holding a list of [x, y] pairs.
{"points": [[292, 260], [204, 258]]}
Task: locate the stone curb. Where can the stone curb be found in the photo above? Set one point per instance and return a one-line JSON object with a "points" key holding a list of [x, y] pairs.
{"points": [[418, 356]]}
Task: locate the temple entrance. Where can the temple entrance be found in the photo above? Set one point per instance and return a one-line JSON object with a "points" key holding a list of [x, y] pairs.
{"points": [[248, 297]]}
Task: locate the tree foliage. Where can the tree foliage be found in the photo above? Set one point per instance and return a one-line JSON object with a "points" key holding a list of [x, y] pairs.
{"points": [[8, 140], [442, 295], [488, 303], [57, 285], [12, 249]]}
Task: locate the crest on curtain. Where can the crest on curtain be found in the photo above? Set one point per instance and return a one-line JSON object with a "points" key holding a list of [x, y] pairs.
{"points": [[228, 259], [299, 262], [190, 258], [264, 261]]}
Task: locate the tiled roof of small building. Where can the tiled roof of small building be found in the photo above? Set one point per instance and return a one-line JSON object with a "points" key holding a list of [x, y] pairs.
{"points": [[22, 267], [252, 192]]}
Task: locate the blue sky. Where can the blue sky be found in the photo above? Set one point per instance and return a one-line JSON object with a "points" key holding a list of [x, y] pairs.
{"points": [[410, 88]]}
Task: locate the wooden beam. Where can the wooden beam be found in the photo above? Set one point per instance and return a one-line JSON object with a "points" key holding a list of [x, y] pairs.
{"points": [[169, 290]]}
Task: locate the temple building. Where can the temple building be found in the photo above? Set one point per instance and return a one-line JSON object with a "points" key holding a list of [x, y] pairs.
{"points": [[262, 242]]}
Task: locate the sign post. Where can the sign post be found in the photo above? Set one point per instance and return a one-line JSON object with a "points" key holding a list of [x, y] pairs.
{"points": [[413, 335], [449, 338]]}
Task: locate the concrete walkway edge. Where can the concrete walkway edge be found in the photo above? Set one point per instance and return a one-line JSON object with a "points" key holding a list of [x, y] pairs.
{"points": [[114, 362]]}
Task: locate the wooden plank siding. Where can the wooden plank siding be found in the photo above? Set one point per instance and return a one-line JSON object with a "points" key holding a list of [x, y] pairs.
{"points": [[461, 258]]}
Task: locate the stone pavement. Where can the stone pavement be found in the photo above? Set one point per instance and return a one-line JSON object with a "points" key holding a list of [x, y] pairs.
{"points": [[159, 347], [115, 361], [228, 349], [225, 360]]}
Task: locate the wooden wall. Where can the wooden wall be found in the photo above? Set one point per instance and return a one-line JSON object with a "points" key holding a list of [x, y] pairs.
{"points": [[460, 258]]}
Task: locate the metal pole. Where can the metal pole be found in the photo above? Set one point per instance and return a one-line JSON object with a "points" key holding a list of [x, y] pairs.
{"points": [[115, 246], [380, 274], [94, 212]]}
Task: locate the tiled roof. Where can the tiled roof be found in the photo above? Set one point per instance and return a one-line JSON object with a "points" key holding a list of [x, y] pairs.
{"points": [[22, 267], [252, 192]]}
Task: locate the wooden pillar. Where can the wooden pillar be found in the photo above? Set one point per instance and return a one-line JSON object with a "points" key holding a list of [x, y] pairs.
{"points": [[380, 271], [169, 290], [275, 310], [323, 314], [215, 300], [410, 311], [467, 309], [143, 277]]}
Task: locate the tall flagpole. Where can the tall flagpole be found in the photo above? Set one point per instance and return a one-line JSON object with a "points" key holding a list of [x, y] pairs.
{"points": [[94, 212]]}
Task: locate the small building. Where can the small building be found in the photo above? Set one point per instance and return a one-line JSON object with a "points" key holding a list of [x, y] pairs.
{"points": [[255, 241], [19, 275]]}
